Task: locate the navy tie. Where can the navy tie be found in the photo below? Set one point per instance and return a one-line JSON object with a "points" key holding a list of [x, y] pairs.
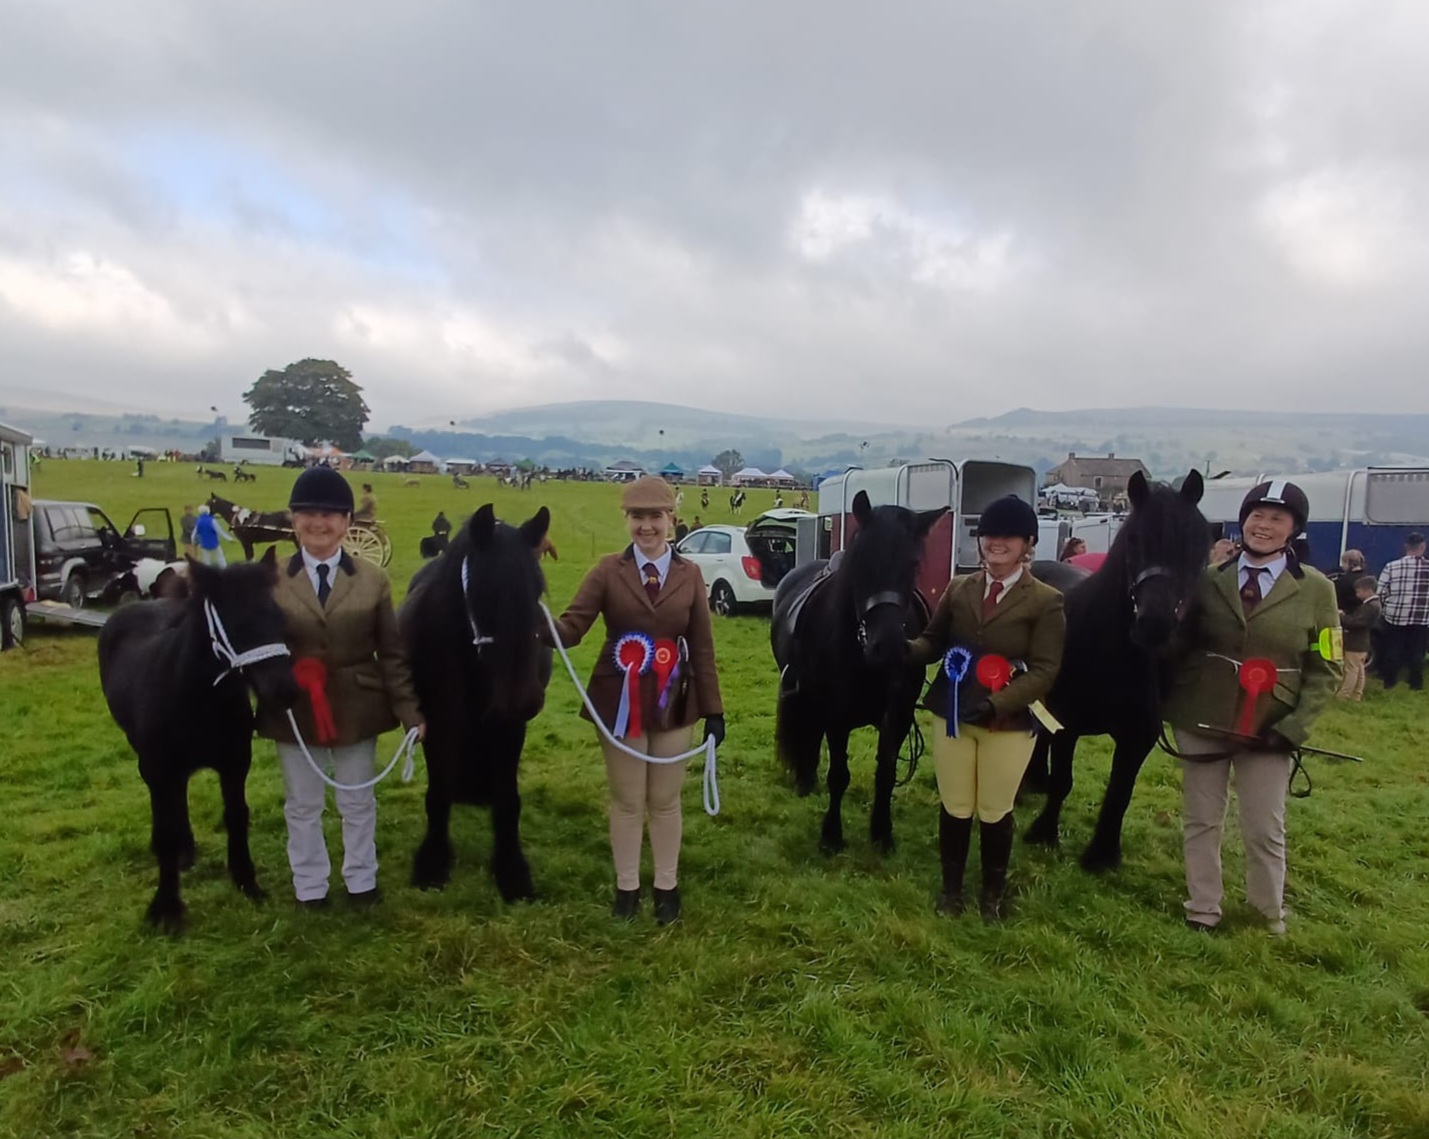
{"points": [[323, 587]]}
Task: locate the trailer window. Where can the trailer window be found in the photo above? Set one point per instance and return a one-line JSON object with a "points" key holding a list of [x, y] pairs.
{"points": [[1397, 498]]}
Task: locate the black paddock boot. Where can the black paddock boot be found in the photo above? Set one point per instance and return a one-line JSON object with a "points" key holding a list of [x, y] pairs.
{"points": [[627, 904], [996, 841], [954, 837], [667, 905]]}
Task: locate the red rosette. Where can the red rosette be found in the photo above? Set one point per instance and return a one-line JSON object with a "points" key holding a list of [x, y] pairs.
{"points": [[311, 675], [1257, 676], [994, 672]]}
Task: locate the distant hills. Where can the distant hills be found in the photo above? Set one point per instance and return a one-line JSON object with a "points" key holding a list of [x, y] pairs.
{"points": [[594, 433]]}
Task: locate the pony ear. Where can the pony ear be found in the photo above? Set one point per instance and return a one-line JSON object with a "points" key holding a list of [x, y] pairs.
{"points": [[483, 524], [1193, 487], [1137, 489], [533, 530], [926, 520], [269, 562], [862, 509], [203, 578]]}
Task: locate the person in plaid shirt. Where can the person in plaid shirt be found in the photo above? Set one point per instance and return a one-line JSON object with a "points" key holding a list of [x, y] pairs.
{"points": [[1404, 590]]}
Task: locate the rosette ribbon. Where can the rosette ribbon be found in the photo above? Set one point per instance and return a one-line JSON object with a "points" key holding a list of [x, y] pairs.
{"points": [[1257, 677], [634, 654], [956, 663], [311, 675], [994, 672], [667, 670]]}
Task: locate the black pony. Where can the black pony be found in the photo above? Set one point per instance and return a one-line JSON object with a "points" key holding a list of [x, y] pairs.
{"points": [[176, 679], [470, 621], [839, 635], [1118, 621]]}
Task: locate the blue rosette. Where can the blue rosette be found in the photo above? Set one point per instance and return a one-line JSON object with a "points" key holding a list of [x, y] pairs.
{"points": [[956, 663], [634, 654]]}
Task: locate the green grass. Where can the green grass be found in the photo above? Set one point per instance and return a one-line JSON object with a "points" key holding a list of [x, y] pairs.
{"points": [[800, 995]]}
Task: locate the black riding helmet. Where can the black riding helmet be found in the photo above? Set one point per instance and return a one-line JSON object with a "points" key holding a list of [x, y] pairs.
{"points": [[1278, 492], [321, 488], [1008, 517]]}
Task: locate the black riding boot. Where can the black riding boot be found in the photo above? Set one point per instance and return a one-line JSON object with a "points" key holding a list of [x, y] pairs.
{"points": [[954, 837], [996, 842]]}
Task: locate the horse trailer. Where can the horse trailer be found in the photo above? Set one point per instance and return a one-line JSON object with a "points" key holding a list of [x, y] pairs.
{"points": [[17, 546], [964, 489], [261, 450], [1372, 510]]}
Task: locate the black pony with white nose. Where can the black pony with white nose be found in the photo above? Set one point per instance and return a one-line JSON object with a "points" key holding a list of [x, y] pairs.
{"points": [[839, 634], [177, 676], [1120, 620]]}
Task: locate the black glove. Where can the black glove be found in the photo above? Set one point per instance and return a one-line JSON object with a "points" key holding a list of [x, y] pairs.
{"points": [[1271, 740], [978, 713], [714, 729]]}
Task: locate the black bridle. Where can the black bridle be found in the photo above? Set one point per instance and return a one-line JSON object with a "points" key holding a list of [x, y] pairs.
{"points": [[872, 602], [1141, 579]]}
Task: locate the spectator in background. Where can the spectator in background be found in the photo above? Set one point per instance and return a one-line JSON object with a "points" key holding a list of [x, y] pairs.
{"points": [[186, 531], [1358, 623], [1404, 593], [367, 509], [1073, 547], [209, 533], [1347, 580]]}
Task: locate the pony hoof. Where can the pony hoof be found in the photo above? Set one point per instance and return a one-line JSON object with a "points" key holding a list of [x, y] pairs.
{"points": [[803, 789], [1041, 834], [831, 845], [187, 860], [1097, 861], [884, 843], [516, 886], [166, 917], [430, 879], [253, 892]]}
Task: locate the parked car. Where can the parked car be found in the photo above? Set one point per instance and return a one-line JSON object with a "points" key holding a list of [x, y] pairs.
{"points": [[80, 555], [743, 564]]}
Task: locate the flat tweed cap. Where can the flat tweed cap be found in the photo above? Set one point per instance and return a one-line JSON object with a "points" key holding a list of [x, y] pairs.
{"points": [[648, 493]]}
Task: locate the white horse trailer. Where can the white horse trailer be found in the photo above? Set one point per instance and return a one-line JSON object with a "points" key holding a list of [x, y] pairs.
{"points": [[1372, 510], [17, 544], [963, 488]]}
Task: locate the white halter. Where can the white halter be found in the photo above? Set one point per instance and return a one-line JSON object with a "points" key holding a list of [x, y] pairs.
{"points": [[477, 637], [223, 648]]}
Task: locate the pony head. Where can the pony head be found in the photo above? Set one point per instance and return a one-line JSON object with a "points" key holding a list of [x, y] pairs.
{"points": [[242, 599], [1160, 552], [882, 572], [502, 589]]}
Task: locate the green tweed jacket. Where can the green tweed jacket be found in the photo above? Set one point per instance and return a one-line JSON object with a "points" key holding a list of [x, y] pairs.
{"points": [[1027, 625], [1285, 628]]}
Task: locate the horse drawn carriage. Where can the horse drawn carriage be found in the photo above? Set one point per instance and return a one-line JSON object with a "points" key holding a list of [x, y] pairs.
{"points": [[365, 537]]}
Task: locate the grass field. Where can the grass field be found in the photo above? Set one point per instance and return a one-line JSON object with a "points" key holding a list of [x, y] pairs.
{"points": [[801, 995]]}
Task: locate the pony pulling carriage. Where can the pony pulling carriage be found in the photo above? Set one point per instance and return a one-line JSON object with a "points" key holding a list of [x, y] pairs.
{"points": [[365, 537]]}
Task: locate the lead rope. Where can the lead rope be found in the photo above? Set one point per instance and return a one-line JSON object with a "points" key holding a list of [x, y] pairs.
{"points": [[710, 779], [407, 750]]}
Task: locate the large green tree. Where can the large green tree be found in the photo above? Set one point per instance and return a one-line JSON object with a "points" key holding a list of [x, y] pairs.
{"points": [[313, 400], [728, 462]]}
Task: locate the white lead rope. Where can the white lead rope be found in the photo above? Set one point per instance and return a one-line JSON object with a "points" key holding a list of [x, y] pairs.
{"points": [[711, 782], [406, 749]]}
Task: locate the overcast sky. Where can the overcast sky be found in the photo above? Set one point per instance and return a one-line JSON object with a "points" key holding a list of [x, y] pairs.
{"points": [[915, 211]]}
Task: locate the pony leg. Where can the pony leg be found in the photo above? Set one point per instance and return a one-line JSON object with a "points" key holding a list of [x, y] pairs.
{"points": [[1104, 851], [508, 862], [232, 781], [1038, 774], [168, 806], [831, 841], [1046, 827], [432, 867], [798, 739], [880, 823], [188, 849]]}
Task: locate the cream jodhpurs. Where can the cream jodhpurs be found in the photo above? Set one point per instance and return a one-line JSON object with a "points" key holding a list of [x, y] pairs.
{"points": [[979, 771], [1261, 781], [303, 808], [639, 789]]}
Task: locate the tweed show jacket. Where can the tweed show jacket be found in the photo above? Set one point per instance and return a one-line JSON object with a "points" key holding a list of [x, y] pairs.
{"points": [[614, 590], [1284, 628], [1028, 625], [369, 685]]}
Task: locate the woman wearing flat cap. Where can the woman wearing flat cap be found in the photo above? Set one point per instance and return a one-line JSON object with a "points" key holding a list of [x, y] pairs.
{"points": [[657, 617], [983, 735], [347, 655]]}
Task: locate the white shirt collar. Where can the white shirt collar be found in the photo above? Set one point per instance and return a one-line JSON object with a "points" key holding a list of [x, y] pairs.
{"points": [[1007, 583], [1272, 570], [311, 564]]}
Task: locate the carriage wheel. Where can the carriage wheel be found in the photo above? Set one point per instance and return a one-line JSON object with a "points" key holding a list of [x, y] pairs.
{"points": [[369, 544]]}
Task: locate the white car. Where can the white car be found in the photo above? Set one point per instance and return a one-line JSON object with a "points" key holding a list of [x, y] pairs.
{"points": [[741, 565]]}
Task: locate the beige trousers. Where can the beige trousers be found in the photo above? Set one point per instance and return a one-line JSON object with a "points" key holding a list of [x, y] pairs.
{"points": [[639, 789], [1353, 687], [1261, 779], [979, 771]]}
